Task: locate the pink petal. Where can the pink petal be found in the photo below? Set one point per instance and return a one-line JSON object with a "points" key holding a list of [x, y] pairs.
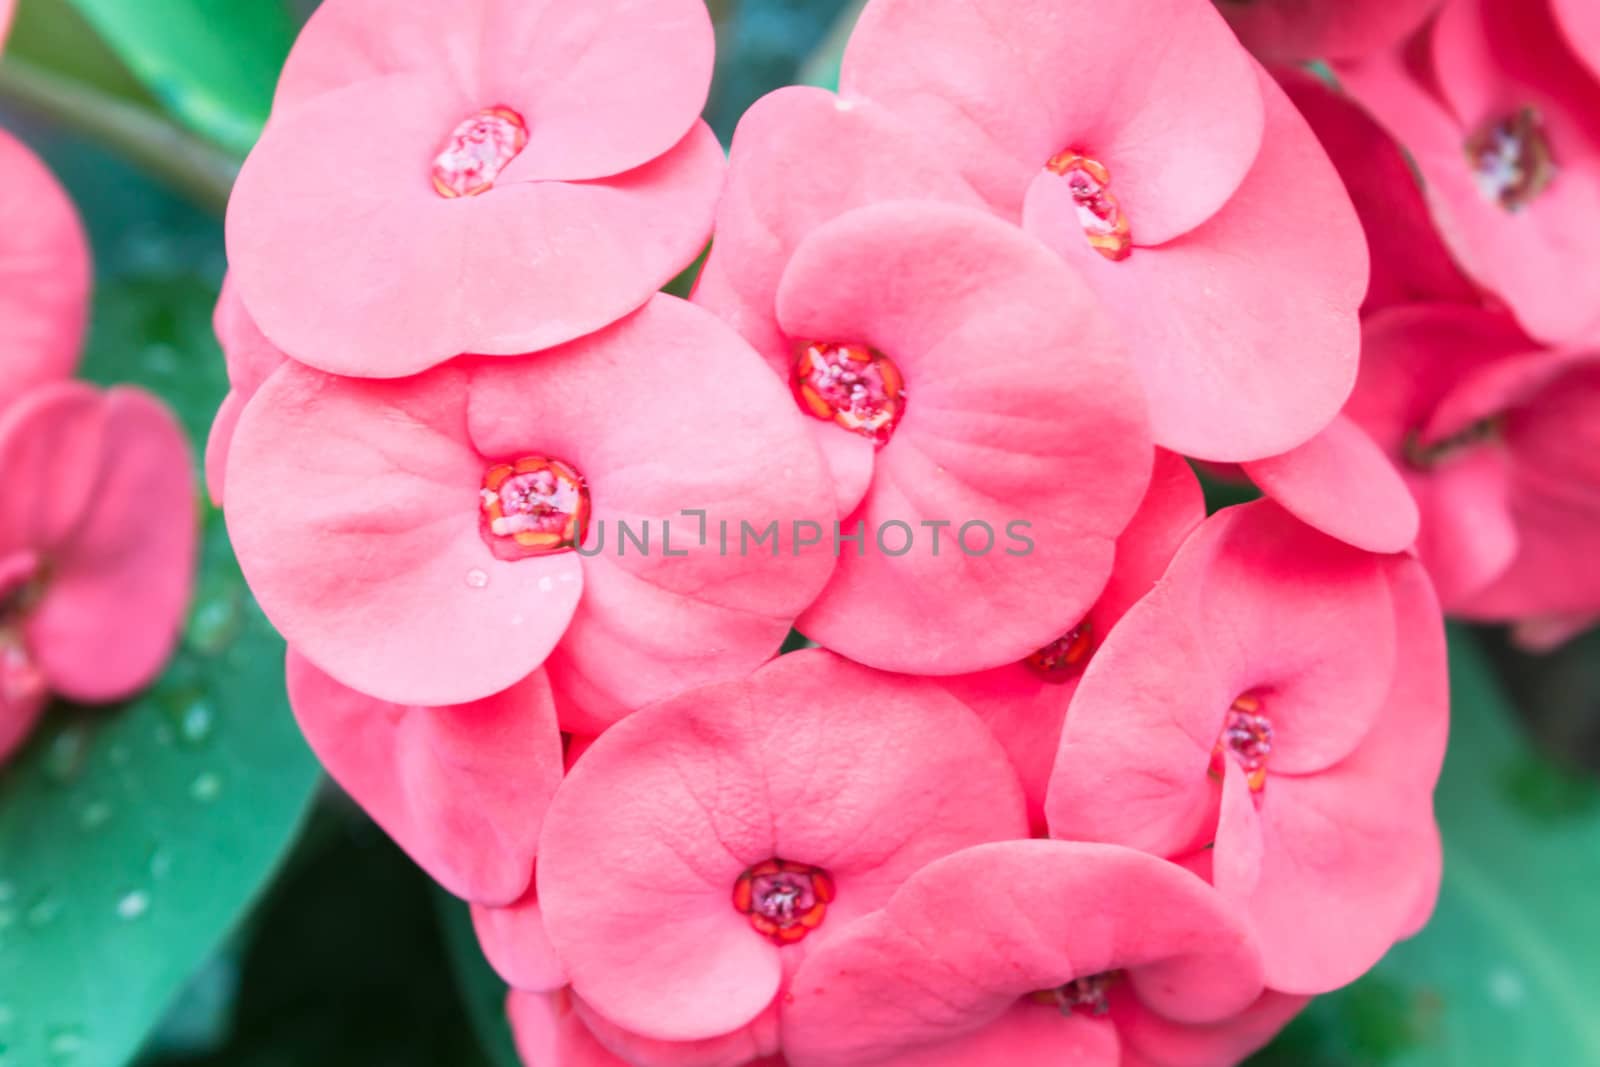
{"points": [[748, 1047], [120, 532], [1148, 1040], [1580, 21], [44, 272], [251, 358], [1410, 262], [1022, 411], [218, 443], [1289, 31], [1345, 853], [605, 86], [1022, 709], [7, 9], [514, 941], [813, 760], [1004, 85], [1536, 259], [1033, 915], [667, 413], [1207, 313], [522, 267], [354, 508], [1254, 604], [550, 1034], [1341, 483], [462, 789]]}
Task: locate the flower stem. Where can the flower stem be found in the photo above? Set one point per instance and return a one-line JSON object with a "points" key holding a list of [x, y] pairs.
{"points": [[189, 165]]}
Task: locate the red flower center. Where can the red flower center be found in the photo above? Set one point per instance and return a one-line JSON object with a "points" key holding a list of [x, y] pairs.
{"points": [[1099, 212], [1081, 994], [1511, 159], [477, 151], [533, 507], [1064, 658], [852, 385], [784, 901], [1247, 737]]}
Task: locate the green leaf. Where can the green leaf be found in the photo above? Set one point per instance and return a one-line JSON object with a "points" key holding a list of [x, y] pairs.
{"points": [[1507, 971], [133, 839], [212, 63], [481, 988], [53, 35]]}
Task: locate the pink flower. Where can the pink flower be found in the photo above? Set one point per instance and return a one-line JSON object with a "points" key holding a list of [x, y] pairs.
{"points": [[251, 359], [1025, 703], [7, 9], [705, 846], [1178, 182], [1497, 439], [551, 1032], [1273, 714], [1499, 116], [1026, 952], [1580, 21], [1287, 31], [97, 547], [992, 452], [417, 540], [490, 176], [462, 789], [44, 273]]}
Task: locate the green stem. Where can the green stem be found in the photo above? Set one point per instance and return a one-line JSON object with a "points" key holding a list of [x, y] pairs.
{"points": [[192, 167]]}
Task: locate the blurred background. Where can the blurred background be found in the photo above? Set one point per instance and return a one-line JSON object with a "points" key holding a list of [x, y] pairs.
{"points": [[179, 884]]}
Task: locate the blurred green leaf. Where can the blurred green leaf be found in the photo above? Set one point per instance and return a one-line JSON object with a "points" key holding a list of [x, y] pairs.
{"points": [[133, 839], [1507, 971], [211, 63], [762, 45], [481, 988], [52, 34]]}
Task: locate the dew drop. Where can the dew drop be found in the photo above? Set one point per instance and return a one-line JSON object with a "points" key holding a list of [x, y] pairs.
{"points": [[94, 815], [214, 625], [64, 758], [64, 1044], [44, 911], [477, 579], [160, 863], [206, 787], [196, 722], [546, 584], [133, 905]]}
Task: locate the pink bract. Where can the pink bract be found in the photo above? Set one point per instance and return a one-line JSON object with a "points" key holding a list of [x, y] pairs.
{"points": [[862, 776], [97, 546], [462, 789], [1230, 202], [1101, 934], [1288, 31], [355, 510], [1024, 705], [551, 1031], [1580, 21], [1276, 708], [7, 9], [1494, 82], [605, 193], [44, 273], [251, 359], [1023, 432]]}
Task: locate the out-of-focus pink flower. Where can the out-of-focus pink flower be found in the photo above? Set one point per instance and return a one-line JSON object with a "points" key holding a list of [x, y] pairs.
{"points": [[251, 359], [703, 847], [97, 547], [1580, 21], [1496, 438], [462, 789], [1023, 952], [1178, 181], [7, 9], [419, 540], [44, 273], [1274, 714], [1288, 31], [1503, 123], [994, 446], [490, 176], [1025, 703]]}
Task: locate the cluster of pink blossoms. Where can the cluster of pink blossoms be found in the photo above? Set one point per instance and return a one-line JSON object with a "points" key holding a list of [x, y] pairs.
{"points": [[97, 498], [1077, 774]]}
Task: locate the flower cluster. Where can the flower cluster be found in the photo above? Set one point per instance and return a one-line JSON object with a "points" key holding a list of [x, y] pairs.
{"points": [[97, 502], [1112, 783]]}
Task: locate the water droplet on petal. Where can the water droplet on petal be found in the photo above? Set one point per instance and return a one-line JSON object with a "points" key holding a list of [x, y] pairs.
{"points": [[132, 905], [477, 579]]}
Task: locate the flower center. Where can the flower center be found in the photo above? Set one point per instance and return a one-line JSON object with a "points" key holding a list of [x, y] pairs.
{"points": [[1511, 159], [1081, 994], [1428, 455], [1099, 212], [533, 507], [477, 151], [784, 901], [853, 386], [1247, 737], [1064, 658]]}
